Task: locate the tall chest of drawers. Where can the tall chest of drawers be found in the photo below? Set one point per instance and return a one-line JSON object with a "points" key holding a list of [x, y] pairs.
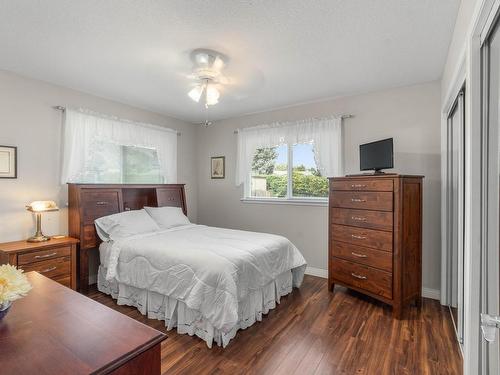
{"points": [[375, 237]]}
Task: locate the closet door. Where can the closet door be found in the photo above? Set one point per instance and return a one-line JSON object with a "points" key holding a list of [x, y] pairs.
{"points": [[455, 212]]}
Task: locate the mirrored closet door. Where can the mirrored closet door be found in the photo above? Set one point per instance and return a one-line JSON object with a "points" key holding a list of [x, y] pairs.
{"points": [[455, 213]]}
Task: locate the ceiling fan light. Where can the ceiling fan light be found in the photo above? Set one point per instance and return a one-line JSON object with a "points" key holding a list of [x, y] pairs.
{"points": [[212, 95], [218, 64], [202, 59], [195, 93]]}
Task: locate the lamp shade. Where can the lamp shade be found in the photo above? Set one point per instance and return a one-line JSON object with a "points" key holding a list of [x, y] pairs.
{"points": [[42, 206]]}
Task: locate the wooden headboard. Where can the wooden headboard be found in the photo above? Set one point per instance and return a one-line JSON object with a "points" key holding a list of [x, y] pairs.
{"points": [[88, 202]]}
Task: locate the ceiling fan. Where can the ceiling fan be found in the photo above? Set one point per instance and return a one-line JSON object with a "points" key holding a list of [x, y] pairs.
{"points": [[208, 76]]}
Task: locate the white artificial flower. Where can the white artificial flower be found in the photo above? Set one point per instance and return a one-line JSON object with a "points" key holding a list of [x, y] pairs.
{"points": [[13, 284]]}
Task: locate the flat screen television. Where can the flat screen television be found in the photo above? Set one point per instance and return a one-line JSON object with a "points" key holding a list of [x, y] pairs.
{"points": [[376, 155]]}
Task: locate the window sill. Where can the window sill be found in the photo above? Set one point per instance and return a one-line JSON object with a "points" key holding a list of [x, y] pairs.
{"points": [[295, 202]]}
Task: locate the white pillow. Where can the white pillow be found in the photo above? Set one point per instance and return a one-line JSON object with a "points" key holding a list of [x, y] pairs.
{"points": [[168, 217], [125, 224]]}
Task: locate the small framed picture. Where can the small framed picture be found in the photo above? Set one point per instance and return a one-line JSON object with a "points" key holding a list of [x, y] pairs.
{"points": [[218, 167], [8, 162]]}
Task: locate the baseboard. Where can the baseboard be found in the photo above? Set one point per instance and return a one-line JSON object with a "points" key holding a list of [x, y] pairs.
{"points": [[431, 293], [319, 272]]}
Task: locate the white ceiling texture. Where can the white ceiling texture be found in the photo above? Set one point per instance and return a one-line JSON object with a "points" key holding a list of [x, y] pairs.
{"points": [[280, 52]]}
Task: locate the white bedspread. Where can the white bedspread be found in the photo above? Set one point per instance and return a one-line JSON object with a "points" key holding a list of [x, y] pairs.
{"points": [[209, 269]]}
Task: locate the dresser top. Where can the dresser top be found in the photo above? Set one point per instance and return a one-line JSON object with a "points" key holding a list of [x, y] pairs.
{"points": [[55, 330], [375, 176], [19, 246]]}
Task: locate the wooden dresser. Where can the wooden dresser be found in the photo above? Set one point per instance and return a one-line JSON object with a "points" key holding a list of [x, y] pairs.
{"points": [[88, 202], [375, 237], [54, 330], [55, 258]]}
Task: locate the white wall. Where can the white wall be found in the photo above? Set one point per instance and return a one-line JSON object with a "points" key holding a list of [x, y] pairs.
{"points": [[28, 121], [457, 50], [411, 115]]}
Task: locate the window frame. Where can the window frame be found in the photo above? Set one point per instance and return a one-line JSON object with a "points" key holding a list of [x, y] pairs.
{"points": [[289, 198]]}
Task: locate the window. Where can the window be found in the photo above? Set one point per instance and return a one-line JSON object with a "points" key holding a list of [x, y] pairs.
{"points": [[111, 163], [140, 166], [288, 172], [99, 149]]}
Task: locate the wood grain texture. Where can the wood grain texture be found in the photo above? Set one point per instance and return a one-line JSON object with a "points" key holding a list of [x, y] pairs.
{"points": [[362, 218], [316, 332], [55, 258], [362, 200], [363, 255], [375, 239], [362, 184], [364, 227], [55, 330]]}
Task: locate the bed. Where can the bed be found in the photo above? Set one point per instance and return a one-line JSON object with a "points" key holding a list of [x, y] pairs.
{"points": [[201, 280]]}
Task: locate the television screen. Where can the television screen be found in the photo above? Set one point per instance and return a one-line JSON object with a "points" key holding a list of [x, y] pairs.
{"points": [[376, 155]]}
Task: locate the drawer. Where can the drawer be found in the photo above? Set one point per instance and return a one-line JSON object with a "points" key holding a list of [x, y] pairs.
{"points": [[96, 204], [380, 220], [38, 256], [89, 240], [53, 268], [381, 201], [363, 255], [363, 184], [375, 239], [370, 279]]}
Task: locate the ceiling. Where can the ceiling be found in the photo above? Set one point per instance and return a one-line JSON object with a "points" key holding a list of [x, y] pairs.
{"points": [[281, 52]]}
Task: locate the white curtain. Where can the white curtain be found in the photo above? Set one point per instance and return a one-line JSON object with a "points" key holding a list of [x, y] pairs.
{"points": [[324, 134], [85, 133]]}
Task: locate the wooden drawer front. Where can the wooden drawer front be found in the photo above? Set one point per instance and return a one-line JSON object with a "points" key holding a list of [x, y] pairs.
{"points": [[363, 255], [363, 277], [65, 280], [89, 240], [375, 239], [362, 218], [53, 268], [169, 197], [96, 204], [381, 201], [363, 185], [38, 256]]}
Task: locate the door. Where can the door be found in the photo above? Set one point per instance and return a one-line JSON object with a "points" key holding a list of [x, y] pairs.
{"points": [[455, 213], [490, 259]]}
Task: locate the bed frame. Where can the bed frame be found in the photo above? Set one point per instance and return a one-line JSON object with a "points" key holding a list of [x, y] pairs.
{"points": [[88, 202]]}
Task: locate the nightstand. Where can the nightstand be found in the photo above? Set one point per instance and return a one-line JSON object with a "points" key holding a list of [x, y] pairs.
{"points": [[55, 258]]}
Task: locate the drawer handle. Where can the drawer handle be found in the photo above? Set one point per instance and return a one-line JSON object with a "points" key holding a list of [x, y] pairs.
{"points": [[101, 203], [358, 186], [359, 255], [358, 276], [45, 256], [358, 237], [357, 218], [357, 200], [48, 269]]}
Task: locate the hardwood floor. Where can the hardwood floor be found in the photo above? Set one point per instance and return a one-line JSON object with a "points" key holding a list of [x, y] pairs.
{"points": [[316, 332]]}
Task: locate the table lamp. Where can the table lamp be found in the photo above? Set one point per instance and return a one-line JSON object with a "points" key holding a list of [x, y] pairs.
{"points": [[38, 207]]}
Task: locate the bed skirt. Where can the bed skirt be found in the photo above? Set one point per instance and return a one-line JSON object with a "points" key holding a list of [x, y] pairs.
{"points": [[175, 313]]}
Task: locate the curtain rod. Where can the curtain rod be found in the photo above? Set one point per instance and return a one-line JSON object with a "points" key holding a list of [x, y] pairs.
{"points": [[343, 117], [61, 108]]}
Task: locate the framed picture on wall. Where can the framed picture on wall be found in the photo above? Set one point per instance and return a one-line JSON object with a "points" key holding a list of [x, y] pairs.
{"points": [[8, 162], [218, 167]]}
